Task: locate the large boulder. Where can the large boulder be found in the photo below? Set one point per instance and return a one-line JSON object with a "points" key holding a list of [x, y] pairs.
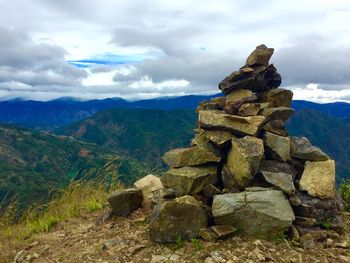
{"points": [[244, 158], [181, 218], [220, 139], [279, 113], [197, 155], [123, 202], [260, 56], [318, 179], [303, 149], [148, 185], [257, 78], [278, 147], [277, 97], [218, 120], [257, 211], [189, 180]]}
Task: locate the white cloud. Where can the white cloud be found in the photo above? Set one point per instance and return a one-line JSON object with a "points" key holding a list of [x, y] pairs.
{"points": [[183, 47]]}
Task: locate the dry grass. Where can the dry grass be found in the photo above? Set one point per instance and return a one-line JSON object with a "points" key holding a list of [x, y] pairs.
{"points": [[80, 197]]}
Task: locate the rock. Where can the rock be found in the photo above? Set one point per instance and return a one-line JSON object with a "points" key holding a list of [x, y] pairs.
{"points": [[192, 156], [187, 199], [211, 190], [257, 78], [257, 211], [276, 127], [173, 219], [189, 180], [223, 231], [293, 233], [282, 181], [249, 109], [233, 106], [303, 149], [125, 201], [277, 147], [279, 113], [294, 201], [228, 180], [244, 158], [148, 185], [307, 241], [217, 120], [260, 56], [317, 233], [221, 101], [277, 167], [238, 95], [277, 97], [220, 139], [318, 179], [162, 195], [208, 234], [205, 105], [320, 209], [305, 221]]}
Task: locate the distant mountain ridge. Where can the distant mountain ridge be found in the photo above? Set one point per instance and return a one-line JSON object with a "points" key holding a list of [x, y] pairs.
{"points": [[61, 112]]}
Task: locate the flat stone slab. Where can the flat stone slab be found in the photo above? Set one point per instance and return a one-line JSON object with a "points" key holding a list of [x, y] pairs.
{"points": [[123, 202], [189, 180], [303, 149], [219, 120]]}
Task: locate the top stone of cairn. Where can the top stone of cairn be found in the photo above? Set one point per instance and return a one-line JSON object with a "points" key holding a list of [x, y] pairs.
{"points": [[256, 75]]}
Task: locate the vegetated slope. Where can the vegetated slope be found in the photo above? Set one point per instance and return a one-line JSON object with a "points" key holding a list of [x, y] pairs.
{"points": [[337, 109], [141, 133], [32, 164], [327, 132]]}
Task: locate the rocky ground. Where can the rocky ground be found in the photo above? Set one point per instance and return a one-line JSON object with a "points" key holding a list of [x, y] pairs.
{"points": [[92, 239]]}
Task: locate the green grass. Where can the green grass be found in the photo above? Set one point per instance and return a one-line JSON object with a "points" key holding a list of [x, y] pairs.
{"points": [[344, 191]]}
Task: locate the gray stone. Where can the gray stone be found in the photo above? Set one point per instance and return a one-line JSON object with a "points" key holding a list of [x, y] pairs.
{"points": [[218, 120], [174, 219], [148, 185], [196, 155], [243, 160], [189, 180], [303, 149], [279, 113], [278, 147], [282, 181], [125, 201], [220, 139], [276, 127], [257, 211]]}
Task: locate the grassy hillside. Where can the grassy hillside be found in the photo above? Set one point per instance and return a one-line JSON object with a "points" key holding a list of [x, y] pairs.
{"points": [[141, 133], [32, 164]]}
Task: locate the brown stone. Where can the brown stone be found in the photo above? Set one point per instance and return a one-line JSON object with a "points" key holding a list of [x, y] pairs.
{"points": [[276, 127], [278, 147], [279, 113], [260, 56], [220, 139], [249, 109], [277, 97]]}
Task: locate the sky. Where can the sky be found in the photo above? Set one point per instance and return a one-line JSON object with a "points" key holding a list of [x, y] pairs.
{"points": [[95, 49]]}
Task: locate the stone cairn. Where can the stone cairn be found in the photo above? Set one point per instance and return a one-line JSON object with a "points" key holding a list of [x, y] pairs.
{"points": [[242, 171]]}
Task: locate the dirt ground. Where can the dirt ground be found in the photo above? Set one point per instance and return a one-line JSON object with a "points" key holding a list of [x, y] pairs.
{"points": [[90, 239]]}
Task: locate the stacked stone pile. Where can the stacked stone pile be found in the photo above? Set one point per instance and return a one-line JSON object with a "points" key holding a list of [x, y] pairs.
{"points": [[242, 171]]}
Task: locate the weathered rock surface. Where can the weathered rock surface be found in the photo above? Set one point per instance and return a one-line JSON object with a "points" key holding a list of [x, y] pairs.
{"points": [[148, 185], [238, 95], [220, 139], [282, 181], [243, 160], [260, 56], [257, 211], [303, 149], [279, 113], [192, 156], [278, 147], [249, 109], [174, 219], [277, 97], [318, 179], [257, 78], [213, 233], [189, 180], [162, 195], [221, 101], [278, 167], [123, 202], [276, 127], [217, 120], [233, 106]]}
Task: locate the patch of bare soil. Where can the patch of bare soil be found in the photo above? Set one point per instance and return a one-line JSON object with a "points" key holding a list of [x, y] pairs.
{"points": [[90, 239]]}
